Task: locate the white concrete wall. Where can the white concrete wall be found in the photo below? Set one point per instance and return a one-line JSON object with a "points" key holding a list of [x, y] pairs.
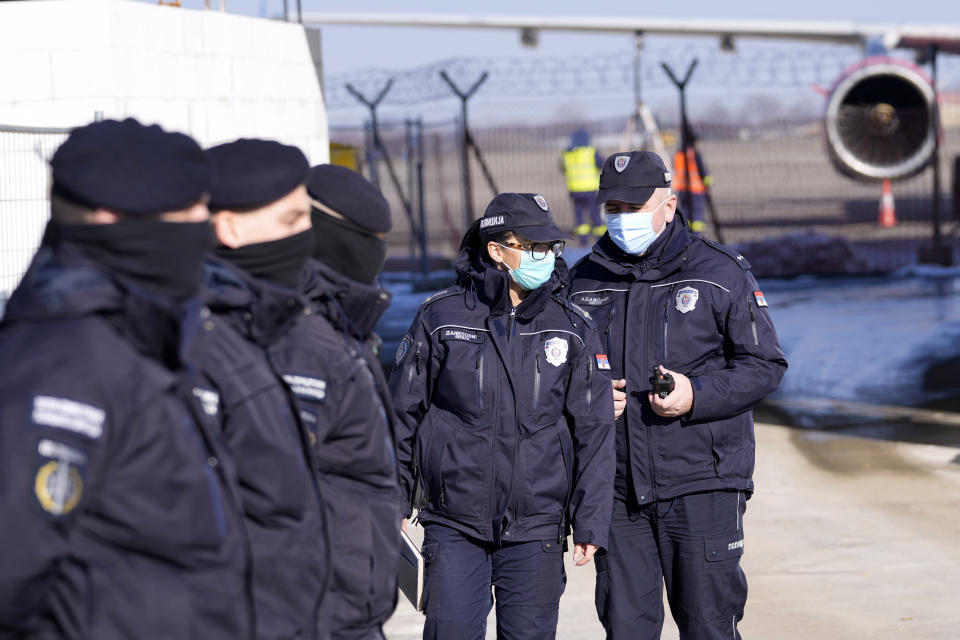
{"points": [[213, 75]]}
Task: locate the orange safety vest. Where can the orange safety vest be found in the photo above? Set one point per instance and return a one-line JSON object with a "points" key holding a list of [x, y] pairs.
{"points": [[580, 165], [680, 172]]}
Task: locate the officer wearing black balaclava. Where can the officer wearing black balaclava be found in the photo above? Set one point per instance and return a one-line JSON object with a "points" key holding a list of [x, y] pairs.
{"points": [[118, 500], [332, 354], [262, 223]]}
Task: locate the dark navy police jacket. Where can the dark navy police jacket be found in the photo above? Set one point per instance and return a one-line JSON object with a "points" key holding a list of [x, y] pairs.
{"points": [[120, 516], [693, 306], [506, 413], [329, 365], [240, 386]]}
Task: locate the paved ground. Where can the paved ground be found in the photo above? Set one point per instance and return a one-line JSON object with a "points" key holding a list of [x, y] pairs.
{"points": [[846, 538]]}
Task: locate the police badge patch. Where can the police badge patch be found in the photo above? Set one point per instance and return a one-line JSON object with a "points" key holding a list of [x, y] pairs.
{"points": [[620, 163], [403, 348], [541, 202], [556, 351], [687, 299], [58, 484]]}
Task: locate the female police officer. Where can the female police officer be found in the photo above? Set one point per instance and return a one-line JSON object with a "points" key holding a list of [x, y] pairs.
{"points": [[506, 420]]}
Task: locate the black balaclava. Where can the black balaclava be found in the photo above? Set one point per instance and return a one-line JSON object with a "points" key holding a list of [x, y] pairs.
{"points": [[348, 248], [164, 258], [277, 261]]}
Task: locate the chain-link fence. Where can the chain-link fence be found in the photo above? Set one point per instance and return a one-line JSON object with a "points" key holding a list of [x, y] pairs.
{"points": [[772, 182], [24, 197]]}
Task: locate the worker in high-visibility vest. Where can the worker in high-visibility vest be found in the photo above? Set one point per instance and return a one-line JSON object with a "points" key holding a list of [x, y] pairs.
{"points": [[690, 176], [581, 164]]}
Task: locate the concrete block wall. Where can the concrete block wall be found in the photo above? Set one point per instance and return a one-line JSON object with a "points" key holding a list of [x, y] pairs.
{"points": [[213, 75]]}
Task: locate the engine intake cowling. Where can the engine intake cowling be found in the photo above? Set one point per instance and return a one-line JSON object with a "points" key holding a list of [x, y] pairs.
{"points": [[878, 121]]}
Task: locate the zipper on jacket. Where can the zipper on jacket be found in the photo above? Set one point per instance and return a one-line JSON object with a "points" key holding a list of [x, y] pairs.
{"points": [[606, 332], [665, 315], [536, 378], [414, 369], [510, 321], [753, 323], [589, 385], [480, 374]]}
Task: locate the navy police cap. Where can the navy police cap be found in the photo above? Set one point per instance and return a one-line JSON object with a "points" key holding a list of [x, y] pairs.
{"points": [[346, 192], [526, 214], [632, 176], [130, 168], [250, 173]]}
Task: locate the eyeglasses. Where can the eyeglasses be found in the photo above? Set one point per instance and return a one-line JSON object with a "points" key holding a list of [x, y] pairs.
{"points": [[539, 250]]}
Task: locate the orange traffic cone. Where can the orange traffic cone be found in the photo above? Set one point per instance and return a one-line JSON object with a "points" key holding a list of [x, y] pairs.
{"points": [[888, 216]]}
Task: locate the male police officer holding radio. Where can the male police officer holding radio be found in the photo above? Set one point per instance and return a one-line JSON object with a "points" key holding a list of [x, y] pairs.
{"points": [[503, 397], [686, 308], [120, 517]]}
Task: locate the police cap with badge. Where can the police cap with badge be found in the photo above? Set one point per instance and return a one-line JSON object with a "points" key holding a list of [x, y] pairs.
{"points": [[632, 177], [526, 214]]}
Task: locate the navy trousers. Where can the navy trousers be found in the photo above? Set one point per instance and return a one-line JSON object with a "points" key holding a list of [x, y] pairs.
{"points": [[692, 544], [528, 579]]}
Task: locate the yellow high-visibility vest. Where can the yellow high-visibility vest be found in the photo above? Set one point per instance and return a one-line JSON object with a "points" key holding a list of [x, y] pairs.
{"points": [[581, 168]]}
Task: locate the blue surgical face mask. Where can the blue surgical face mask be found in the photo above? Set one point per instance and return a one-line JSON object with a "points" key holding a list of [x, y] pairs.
{"points": [[633, 232], [532, 273]]}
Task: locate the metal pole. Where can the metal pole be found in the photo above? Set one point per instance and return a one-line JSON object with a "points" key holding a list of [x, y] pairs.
{"points": [[684, 128], [938, 252], [465, 142], [409, 155], [637, 94], [424, 263], [371, 153]]}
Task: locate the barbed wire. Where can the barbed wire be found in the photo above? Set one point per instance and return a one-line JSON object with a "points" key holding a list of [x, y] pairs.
{"points": [[528, 76]]}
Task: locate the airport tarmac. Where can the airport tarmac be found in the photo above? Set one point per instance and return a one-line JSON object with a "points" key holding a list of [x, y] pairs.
{"points": [[846, 538]]}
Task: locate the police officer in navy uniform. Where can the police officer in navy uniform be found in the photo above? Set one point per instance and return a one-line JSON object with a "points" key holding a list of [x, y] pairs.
{"points": [[120, 511], [262, 223], [505, 411], [666, 302], [331, 359]]}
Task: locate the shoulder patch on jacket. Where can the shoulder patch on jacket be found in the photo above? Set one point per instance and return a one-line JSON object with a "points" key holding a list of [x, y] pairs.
{"points": [[566, 302], [736, 256], [446, 293]]}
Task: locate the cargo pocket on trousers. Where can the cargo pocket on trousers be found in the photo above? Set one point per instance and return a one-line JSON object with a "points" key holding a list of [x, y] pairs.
{"points": [[431, 568], [551, 576], [723, 584]]}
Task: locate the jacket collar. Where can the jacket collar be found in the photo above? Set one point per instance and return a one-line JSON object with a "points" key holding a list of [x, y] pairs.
{"points": [[261, 311], [353, 307], [62, 282], [491, 286], [657, 262]]}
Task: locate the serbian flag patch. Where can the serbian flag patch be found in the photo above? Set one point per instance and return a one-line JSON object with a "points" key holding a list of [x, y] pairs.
{"points": [[758, 296], [602, 362]]}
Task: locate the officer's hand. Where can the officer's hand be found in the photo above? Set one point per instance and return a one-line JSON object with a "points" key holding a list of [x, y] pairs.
{"points": [[680, 400], [619, 397], [583, 553], [403, 525]]}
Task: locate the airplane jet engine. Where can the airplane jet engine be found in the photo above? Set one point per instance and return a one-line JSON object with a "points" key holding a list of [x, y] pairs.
{"points": [[878, 120]]}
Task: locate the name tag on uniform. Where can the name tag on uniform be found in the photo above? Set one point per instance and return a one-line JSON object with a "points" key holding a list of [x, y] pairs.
{"points": [[591, 299], [459, 334], [308, 388]]}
